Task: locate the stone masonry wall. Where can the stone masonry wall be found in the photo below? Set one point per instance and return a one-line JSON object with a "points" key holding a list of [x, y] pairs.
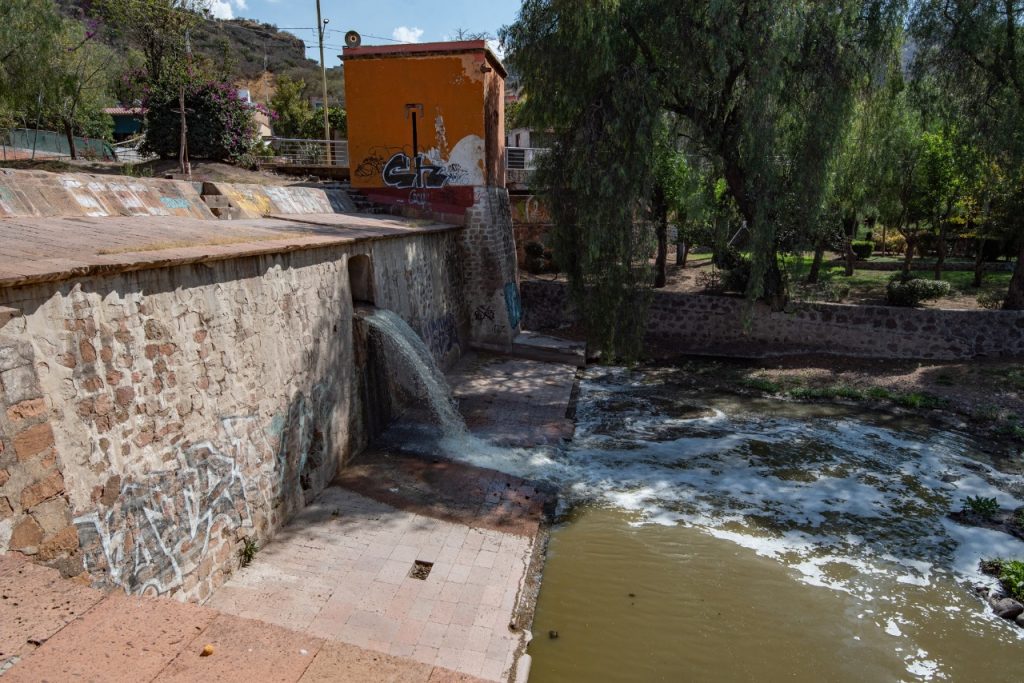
{"points": [[490, 265], [35, 516], [700, 324], [190, 408]]}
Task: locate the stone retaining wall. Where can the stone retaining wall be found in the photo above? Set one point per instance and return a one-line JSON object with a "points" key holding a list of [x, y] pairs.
{"points": [[155, 419], [719, 325]]}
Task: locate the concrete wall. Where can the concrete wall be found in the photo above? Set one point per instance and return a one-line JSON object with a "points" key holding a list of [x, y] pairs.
{"points": [[459, 87], [717, 325], [154, 419], [255, 201], [38, 193]]}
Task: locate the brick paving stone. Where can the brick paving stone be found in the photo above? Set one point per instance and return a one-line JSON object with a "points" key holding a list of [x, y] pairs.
{"points": [[36, 603], [121, 638], [340, 662], [243, 650]]}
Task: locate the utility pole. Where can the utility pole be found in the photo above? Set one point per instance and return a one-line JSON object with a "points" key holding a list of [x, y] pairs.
{"points": [[186, 167], [321, 24]]}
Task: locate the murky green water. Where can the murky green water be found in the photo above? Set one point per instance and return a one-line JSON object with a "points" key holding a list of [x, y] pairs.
{"points": [[766, 541], [705, 609], [761, 540]]}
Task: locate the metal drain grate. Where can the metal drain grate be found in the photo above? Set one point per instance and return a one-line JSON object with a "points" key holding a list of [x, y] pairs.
{"points": [[421, 570]]}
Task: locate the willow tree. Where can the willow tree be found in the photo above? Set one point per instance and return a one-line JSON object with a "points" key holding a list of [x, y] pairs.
{"points": [[29, 31], [975, 50], [763, 87]]}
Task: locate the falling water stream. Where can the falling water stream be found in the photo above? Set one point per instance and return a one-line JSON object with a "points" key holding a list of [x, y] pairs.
{"points": [[710, 537]]}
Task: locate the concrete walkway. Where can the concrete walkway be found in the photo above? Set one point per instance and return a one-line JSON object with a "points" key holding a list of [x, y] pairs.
{"points": [[353, 570]]}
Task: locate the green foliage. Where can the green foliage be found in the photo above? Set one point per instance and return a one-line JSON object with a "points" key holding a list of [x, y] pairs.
{"points": [[762, 384], [986, 508], [157, 28], [862, 248], [828, 392], [29, 33], [737, 277], [248, 551], [974, 52], [1011, 575], [608, 76], [513, 114], [296, 119], [220, 124], [912, 292]]}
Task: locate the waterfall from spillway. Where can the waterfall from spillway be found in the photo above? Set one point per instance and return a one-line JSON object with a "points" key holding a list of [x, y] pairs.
{"points": [[415, 355]]}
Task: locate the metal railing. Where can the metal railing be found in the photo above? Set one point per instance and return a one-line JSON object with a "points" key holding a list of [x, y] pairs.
{"points": [[523, 158], [128, 151], [297, 152]]}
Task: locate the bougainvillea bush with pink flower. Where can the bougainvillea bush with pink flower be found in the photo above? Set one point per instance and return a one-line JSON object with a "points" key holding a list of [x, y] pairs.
{"points": [[221, 125]]}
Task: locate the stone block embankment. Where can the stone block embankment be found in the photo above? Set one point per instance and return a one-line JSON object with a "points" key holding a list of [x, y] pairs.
{"points": [[720, 325], [153, 420]]}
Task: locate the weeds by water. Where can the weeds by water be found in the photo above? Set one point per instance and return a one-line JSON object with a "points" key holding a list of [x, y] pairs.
{"points": [[761, 384], [913, 399], [1009, 572], [987, 508]]}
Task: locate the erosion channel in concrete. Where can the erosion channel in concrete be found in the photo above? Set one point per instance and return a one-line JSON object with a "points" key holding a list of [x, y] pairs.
{"points": [[710, 537]]}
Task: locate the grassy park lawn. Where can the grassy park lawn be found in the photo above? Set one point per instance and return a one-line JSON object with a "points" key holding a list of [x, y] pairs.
{"points": [[866, 286]]}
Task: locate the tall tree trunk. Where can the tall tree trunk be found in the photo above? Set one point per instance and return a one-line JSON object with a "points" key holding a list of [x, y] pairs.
{"points": [[662, 258], [682, 253], [908, 256], [1015, 295], [979, 263], [774, 285], [660, 206], [819, 256], [69, 133], [940, 255], [850, 230]]}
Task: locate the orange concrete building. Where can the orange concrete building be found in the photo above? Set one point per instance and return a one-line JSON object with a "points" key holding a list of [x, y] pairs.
{"points": [[425, 123]]}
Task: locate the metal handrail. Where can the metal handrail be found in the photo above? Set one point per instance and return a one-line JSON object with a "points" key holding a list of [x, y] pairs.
{"points": [[303, 152]]}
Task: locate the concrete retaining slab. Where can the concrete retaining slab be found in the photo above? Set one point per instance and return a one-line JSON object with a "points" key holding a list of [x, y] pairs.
{"points": [[255, 201], [42, 194]]}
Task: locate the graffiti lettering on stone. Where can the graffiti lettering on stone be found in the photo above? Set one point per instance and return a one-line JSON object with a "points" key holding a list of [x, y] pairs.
{"points": [[159, 530], [514, 304], [442, 335], [484, 312], [160, 527], [175, 202], [400, 171]]}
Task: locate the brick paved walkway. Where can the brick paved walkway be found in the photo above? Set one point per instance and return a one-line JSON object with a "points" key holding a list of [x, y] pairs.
{"points": [[54, 629]]}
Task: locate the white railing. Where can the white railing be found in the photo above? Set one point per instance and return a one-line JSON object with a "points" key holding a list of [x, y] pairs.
{"points": [[128, 151], [298, 152], [523, 158]]}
